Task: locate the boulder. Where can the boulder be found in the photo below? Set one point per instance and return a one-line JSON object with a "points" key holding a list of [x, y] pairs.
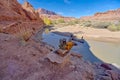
{"points": [[106, 66]]}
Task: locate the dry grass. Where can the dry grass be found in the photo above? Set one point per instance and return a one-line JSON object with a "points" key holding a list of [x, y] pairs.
{"points": [[114, 27], [24, 33]]}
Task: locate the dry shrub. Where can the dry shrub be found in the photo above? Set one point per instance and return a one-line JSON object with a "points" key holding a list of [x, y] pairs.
{"points": [[100, 24], [87, 23], [114, 27], [47, 21], [61, 20], [24, 34]]}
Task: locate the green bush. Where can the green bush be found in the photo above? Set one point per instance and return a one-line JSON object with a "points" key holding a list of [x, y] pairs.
{"points": [[71, 23], [61, 20], [118, 23], [114, 27], [47, 21], [100, 24], [118, 28], [76, 21], [87, 23], [54, 22]]}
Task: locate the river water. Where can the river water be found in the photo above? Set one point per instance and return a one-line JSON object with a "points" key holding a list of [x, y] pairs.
{"points": [[94, 51], [106, 51]]}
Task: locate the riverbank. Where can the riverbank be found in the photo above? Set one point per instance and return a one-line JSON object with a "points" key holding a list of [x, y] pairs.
{"points": [[27, 61], [91, 50], [91, 33]]}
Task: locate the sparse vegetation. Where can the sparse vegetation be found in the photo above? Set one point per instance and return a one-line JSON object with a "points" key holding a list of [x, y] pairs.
{"points": [[76, 21], [61, 20], [114, 27], [95, 24], [100, 24], [86, 23], [71, 23], [24, 34], [54, 22], [47, 21]]}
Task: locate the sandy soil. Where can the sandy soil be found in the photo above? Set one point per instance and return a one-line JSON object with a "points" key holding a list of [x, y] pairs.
{"points": [[91, 33]]}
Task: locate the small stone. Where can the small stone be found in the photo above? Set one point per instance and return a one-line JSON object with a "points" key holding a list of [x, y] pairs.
{"points": [[106, 66], [72, 66]]}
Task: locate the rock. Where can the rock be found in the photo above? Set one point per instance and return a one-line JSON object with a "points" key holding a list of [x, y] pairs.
{"points": [[19, 21], [28, 62], [114, 75], [44, 11], [105, 78], [52, 15], [31, 13], [105, 16], [76, 55], [106, 66], [56, 58], [73, 76], [51, 48], [11, 10], [18, 63], [72, 66]]}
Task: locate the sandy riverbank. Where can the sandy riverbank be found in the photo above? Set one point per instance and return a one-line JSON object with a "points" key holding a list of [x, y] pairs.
{"points": [[91, 33]]}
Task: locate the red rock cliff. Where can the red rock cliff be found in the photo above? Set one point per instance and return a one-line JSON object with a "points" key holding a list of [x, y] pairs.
{"points": [[52, 15], [12, 10], [109, 16], [15, 18]]}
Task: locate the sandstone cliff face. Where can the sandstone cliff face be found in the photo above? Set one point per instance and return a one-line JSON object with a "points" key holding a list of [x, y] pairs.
{"points": [[44, 11], [49, 14], [109, 16], [30, 11], [52, 15], [11, 10], [15, 18]]}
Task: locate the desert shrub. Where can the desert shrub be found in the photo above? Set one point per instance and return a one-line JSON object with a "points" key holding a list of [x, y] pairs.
{"points": [[47, 21], [118, 28], [61, 20], [24, 34], [87, 23], [76, 21], [114, 27], [71, 23], [54, 22], [118, 23], [100, 24]]}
